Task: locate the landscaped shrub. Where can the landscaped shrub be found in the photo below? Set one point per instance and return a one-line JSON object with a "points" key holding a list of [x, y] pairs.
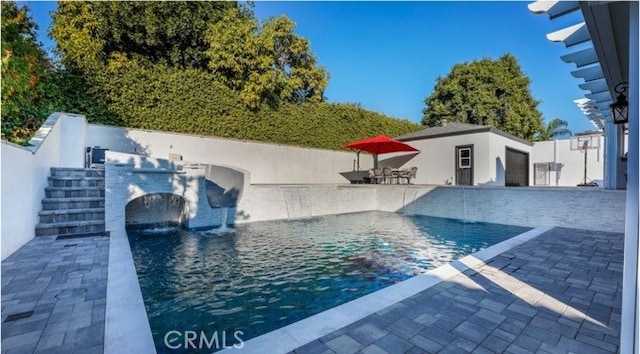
{"points": [[190, 101]]}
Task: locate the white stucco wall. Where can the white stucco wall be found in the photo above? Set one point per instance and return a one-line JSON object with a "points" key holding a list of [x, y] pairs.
{"points": [[571, 172], [58, 143], [267, 163], [18, 195]]}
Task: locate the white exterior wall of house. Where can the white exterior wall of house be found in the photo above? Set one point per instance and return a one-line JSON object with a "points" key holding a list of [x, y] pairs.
{"points": [[437, 159], [267, 163]]}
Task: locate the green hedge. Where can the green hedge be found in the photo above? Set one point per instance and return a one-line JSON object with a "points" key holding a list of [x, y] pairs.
{"points": [[191, 101]]}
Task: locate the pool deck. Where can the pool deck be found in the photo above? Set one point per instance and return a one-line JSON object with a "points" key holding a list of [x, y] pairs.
{"points": [[64, 283], [559, 292]]}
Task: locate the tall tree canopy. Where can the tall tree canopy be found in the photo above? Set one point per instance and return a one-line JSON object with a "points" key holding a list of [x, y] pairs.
{"points": [[27, 85], [168, 32], [267, 63], [264, 63], [487, 92]]}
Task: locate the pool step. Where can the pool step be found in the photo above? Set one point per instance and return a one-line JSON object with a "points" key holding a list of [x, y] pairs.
{"points": [[73, 204]]}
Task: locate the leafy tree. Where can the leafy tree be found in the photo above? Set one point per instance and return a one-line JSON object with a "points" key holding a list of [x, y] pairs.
{"points": [[28, 91], [170, 32], [487, 92], [265, 64], [555, 129]]}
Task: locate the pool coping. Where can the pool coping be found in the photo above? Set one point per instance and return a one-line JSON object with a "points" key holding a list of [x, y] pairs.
{"points": [[127, 327]]}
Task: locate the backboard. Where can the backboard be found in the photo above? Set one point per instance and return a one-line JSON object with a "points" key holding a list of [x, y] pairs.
{"points": [[584, 142]]}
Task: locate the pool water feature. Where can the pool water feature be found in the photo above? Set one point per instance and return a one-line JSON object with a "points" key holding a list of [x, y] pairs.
{"points": [[261, 276]]}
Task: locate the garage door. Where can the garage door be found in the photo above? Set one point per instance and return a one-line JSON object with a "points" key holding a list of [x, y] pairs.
{"points": [[516, 168]]}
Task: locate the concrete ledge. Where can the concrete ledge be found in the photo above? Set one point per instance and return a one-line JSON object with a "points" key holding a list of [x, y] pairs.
{"points": [[126, 328], [157, 170], [297, 334]]}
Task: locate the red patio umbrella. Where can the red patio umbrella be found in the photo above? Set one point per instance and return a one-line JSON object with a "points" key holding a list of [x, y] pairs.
{"points": [[380, 144]]}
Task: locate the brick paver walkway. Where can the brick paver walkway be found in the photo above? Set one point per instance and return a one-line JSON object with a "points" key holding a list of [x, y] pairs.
{"points": [[64, 283], [560, 292]]}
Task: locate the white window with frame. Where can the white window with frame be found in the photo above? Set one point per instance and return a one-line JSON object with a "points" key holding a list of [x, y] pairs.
{"points": [[464, 157]]}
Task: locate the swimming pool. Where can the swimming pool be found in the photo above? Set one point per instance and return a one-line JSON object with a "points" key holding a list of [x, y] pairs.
{"points": [[262, 276]]}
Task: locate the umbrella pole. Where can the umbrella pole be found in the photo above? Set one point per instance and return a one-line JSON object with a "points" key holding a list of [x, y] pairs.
{"points": [[375, 160], [358, 157]]}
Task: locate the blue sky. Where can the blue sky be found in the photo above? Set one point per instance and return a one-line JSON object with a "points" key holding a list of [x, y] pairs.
{"points": [[387, 55]]}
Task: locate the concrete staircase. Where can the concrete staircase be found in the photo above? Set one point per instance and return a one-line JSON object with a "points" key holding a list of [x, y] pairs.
{"points": [[73, 204]]}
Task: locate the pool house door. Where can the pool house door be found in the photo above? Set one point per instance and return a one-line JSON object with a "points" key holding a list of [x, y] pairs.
{"points": [[464, 165]]}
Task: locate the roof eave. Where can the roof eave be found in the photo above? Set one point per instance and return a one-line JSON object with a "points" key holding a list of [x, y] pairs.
{"points": [[466, 132], [598, 17]]}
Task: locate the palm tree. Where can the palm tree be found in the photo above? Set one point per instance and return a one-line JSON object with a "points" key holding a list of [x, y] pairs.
{"points": [[555, 129]]}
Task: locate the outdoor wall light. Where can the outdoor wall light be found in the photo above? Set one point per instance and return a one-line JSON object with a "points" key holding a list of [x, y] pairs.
{"points": [[620, 109]]}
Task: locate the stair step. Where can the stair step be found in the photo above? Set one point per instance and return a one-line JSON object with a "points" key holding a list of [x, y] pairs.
{"points": [[71, 211], [76, 181], [76, 172], [68, 215], [74, 192], [72, 203], [87, 234], [68, 228], [71, 223]]}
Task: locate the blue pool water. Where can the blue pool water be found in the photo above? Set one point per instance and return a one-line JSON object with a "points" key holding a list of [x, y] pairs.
{"points": [[262, 276]]}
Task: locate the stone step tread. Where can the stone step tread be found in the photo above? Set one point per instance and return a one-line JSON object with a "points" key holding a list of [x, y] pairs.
{"points": [[70, 224], [73, 169], [73, 199], [83, 234], [73, 188], [76, 178], [70, 211]]}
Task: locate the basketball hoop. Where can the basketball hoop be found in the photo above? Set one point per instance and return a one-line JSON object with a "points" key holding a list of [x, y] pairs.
{"points": [[584, 143]]}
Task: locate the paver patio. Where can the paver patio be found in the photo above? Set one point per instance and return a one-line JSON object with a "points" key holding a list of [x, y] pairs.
{"points": [[64, 283], [557, 293]]}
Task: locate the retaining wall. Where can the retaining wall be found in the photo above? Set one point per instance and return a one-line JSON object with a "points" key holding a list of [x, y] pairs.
{"points": [[268, 163], [533, 207]]}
